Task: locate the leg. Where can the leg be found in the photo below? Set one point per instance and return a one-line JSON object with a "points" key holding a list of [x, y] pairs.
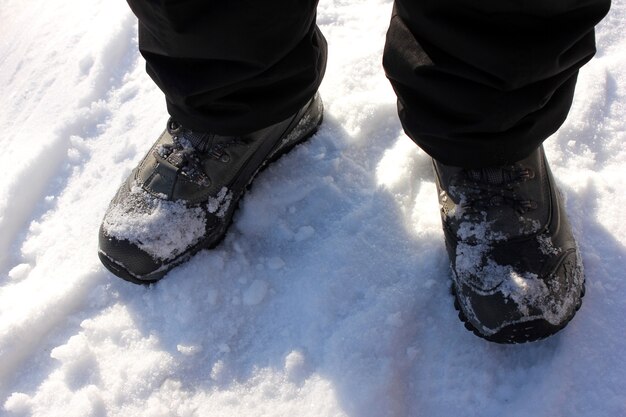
{"points": [[480, 85], [232, 67], [484, 83]]}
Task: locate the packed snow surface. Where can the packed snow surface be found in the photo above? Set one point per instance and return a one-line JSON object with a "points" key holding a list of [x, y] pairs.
{"points": [[329, 296]]}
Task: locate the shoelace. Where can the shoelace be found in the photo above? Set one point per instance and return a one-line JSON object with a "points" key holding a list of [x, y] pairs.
{"points": [[493, 187], [189, 149]]}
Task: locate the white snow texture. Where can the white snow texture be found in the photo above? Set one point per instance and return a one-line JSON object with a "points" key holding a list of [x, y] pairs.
{"points": [[161, 228], [329, 296]]}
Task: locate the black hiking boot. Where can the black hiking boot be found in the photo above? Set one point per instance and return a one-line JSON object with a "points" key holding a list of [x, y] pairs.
{"points": [[182, 196], [517, 273]]}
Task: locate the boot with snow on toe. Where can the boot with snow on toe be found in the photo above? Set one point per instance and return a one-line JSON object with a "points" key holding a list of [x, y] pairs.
{"points": [[182, 195], [517, 273]]}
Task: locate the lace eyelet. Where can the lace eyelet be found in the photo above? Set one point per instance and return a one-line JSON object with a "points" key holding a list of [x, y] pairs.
{"points": [[173, 127]]}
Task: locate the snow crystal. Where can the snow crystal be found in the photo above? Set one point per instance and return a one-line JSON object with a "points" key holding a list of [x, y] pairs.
{"points": [[19, 272], [546, 246], [219, 371], [255, 293], [296, 366], [470, 266], [395, 319], [428, 284], [18, 403], [411, 353], [189, 350], [212, 296], [238, 247], [528, 226], [275, 263], [161, 228], [162, 151], [219, 204], [304, 233], [481, 231], [526, 290]]}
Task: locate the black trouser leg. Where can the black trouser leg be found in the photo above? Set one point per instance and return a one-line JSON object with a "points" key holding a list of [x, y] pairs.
{"points": [[235, 66], [485, 82]]}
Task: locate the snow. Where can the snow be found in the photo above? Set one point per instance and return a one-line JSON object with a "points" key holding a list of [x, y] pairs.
{"points": [[161, 228], [255, 293], [329, 296]]}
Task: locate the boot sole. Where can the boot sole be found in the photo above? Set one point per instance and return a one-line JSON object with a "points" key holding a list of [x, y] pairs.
{"points": [[516, 333]]}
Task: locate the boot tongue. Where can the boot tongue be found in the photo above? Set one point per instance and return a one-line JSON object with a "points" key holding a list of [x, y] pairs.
{"points": [[493, 200], [200, 141], [492, 176]]}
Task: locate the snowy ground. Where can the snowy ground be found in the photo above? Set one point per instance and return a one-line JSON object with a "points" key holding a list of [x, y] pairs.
{"points": [[329, 296]]}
